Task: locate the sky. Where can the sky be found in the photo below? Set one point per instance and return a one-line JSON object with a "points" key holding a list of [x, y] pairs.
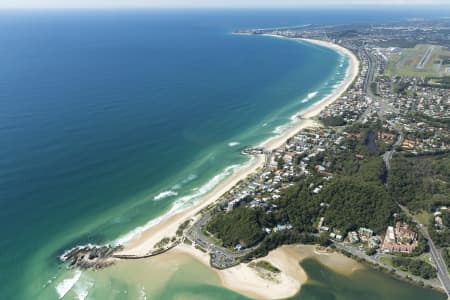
{"points": [[215, 3]]}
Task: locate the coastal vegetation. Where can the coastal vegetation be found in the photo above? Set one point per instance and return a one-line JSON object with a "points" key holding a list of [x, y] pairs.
{"points": [[162, 243], [416, 267], [354, 196], [333, 121], [240, 226], [263, 264], [420, 183], [355, 203]]}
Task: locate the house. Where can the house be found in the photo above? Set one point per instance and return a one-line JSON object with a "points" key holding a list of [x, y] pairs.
{"points": [[324, 228], [365, 233], [385, 136], [321, 170], [408, 144], [374, 242], [359, 156], [353, 237]]}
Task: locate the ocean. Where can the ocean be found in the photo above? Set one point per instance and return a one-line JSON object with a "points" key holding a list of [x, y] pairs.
{"points": [[109, 120]]}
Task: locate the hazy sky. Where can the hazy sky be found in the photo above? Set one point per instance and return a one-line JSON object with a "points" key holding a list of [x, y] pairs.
{"points": [[211, 3]]}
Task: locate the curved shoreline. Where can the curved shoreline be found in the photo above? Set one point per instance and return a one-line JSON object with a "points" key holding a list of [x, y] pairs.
{"points": [[167, 227], [242, 278]]}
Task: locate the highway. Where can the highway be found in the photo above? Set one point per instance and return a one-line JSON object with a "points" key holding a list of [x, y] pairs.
{"points": [[436, 255], [376, 261]]}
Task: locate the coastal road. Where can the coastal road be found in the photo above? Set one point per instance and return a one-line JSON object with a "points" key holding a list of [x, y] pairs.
{"points": [[436, 255], [387, 156], [376, 261], [441, 266], [220, 257]]}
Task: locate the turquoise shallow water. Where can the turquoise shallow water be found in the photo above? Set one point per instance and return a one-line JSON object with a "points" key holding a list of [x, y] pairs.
{"points": [[182, 277], [109, 120]]}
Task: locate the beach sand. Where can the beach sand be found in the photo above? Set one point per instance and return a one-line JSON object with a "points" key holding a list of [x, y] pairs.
{"points": [[250, 282], [243, 278], [143, 243]]}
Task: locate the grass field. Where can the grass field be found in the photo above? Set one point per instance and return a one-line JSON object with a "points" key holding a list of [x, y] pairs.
{"points": [[423, 217], [386, 260], [405, 63]]}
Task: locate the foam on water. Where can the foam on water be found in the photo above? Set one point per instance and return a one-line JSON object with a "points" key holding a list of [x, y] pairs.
{"points": [[182, 202], [280, 129], [67, 284], [190, 178], [142, 294], [82, 287], [187, 200], [309, 97], [165, 194]]}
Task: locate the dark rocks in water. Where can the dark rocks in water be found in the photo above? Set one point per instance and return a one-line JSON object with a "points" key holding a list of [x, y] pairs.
{"points": [[90, 256]]}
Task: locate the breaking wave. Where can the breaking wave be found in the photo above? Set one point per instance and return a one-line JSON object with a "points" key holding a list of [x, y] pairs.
{"points": [[165, 194], [181, 203], [67, 284], [309, 97]]}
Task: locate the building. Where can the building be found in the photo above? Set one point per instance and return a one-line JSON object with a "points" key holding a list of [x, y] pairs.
{"points": [[399, 239], [353, 237], [365, 233]]}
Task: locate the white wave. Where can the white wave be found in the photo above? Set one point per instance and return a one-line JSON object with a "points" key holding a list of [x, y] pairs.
{"points": [[201, 191], [82, 287], [190, 178], [142, 294], [309, 97], [233, 144], [280, 129], [180, 204], [67, 284], [165, 194]]}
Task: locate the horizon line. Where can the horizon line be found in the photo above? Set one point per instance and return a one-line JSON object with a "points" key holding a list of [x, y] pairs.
{"points": [[219, 7]]}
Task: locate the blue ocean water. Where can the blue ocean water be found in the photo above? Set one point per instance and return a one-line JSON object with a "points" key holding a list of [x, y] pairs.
{"points": [[110, 119]]}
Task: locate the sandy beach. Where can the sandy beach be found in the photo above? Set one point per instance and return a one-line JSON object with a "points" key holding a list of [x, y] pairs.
{"points": [[142, 244], [249, 281], [242, 278]]}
